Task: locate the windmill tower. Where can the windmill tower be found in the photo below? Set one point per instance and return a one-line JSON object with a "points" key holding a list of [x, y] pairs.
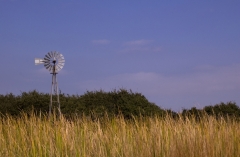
{"points": [[54, 62]]}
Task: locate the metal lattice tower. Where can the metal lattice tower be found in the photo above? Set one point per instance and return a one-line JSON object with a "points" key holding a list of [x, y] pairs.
{"points": [[54, 62]]}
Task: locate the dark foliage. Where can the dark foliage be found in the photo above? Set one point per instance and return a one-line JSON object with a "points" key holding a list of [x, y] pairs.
{"points": [[100, 103], [227, 110], [97, 103]]}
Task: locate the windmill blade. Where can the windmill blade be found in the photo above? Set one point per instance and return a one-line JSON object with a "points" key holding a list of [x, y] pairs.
{"points": [[50, 68], [50, 54], [61, 60], [58, 55], [59, 67], [45, 61], [48, 59], [47, 56], [60, 63], [47, 66], [61, 56], [54, 54]]}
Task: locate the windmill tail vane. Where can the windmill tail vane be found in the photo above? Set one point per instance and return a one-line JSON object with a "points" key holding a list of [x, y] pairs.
{"points": [[39, 61], [54, 62]]}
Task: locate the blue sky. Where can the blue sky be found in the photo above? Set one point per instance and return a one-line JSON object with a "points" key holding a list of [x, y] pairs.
{"points": [[179, 54]]}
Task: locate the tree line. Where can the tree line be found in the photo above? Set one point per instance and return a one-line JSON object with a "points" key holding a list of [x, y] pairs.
{"points": [[227, 110], [96, 103], [99, 103]]}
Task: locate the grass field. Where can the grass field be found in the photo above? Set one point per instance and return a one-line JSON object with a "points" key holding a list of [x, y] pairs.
{"points": [[39, 136]]}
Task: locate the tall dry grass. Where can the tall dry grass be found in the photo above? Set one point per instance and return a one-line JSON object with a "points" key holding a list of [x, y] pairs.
{"points": [[144, 137]]}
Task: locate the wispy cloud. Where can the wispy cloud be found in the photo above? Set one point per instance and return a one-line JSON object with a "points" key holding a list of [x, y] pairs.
{"points": [[197, 85], [140, 46], [101, 42], [135, 49], [138, 42], [222, 78]]}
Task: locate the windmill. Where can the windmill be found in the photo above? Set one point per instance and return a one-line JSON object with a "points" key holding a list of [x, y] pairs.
{"points": [[54, 62]]}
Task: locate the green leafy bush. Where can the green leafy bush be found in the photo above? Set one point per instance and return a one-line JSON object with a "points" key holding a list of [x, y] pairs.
{"points": [[221, 110], [97, 103]]}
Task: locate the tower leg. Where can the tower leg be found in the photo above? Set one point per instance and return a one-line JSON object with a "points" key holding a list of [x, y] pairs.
{"points": [[52, 86], [54, 91], [57, 93]]}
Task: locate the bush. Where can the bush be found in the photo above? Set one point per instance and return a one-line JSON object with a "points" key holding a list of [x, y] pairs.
{"points": [[221, 110], [97, 103]]}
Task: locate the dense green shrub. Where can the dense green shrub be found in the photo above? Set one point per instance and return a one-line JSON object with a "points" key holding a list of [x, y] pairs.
{"points": [[221, 110], [99, 103], [26, 102], [96, 103]]}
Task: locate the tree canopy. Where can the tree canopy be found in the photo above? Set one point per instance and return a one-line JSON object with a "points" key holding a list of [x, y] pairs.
{"points": [[99, 103]]}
